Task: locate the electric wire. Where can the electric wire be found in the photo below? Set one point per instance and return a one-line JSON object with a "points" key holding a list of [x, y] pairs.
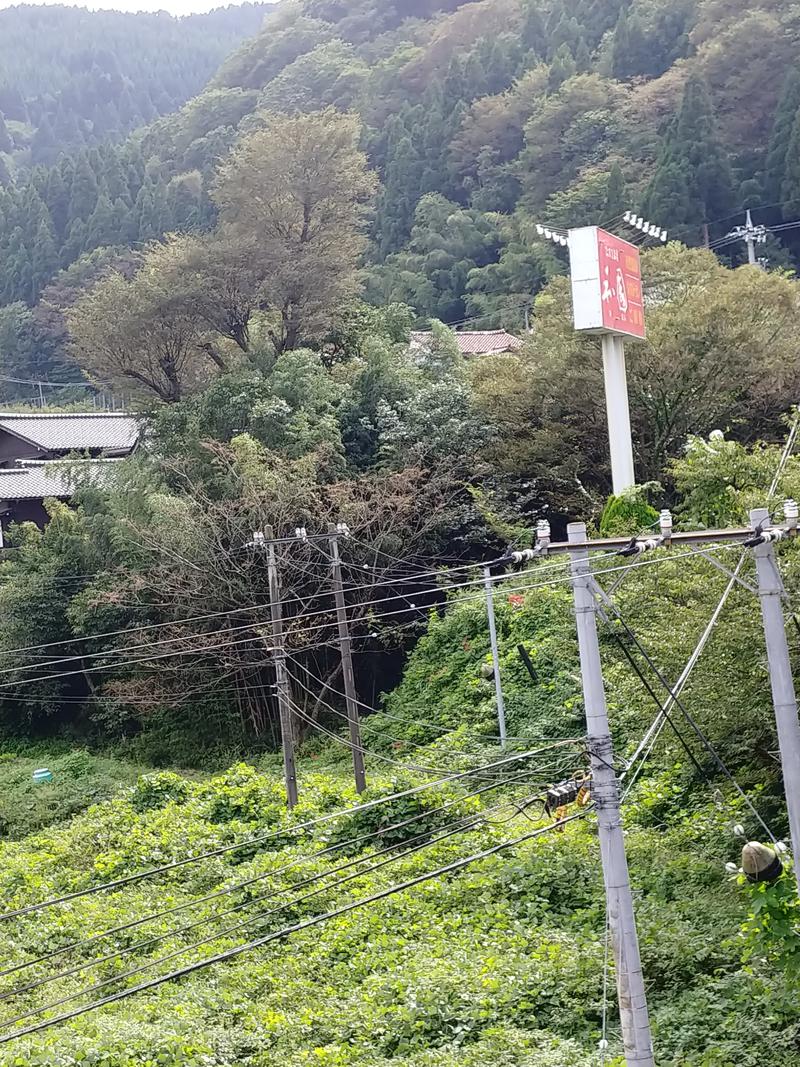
{"points": [[406, 848], [359, 839], [709, 747], [476, 772], [407, 721], [528, 586], [316, 920], [249, 842]]}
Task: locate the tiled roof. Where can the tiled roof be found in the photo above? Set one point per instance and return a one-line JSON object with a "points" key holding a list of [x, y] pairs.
{"points": [[74, 432], [35, 479], [475, 342]]}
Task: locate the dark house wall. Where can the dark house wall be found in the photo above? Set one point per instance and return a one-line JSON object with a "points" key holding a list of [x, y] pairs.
{"points": [[12, 449], [24, 511]]}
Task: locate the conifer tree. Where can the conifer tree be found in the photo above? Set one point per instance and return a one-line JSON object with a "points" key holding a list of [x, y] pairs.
{"points": [[692, 183], [114, 178], [583, 57], [631, 55], [400, 194], [790, 186], [183, 198], [100, 225], [533, 34], [782, 127], [44, 258], [84, 191], [44, 146], [75, 243], [144, 212], [562, 68], [621, 47], [6, 144], [615, 193]]}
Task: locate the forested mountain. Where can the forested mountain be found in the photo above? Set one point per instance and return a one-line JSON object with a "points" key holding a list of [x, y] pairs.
{"points": [[71, 78], [480, 119]]}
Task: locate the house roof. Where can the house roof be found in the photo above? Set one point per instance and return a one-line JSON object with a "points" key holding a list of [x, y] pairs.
{"points": [[35, 479], [475, 342], [74, 432]]}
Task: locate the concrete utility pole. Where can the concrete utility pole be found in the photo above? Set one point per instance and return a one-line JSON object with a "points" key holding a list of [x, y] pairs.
{"points": [[498, 683], [784, 699], [751, 235], [619, 418], [281, 676], [347, 661], [636, 1038]]}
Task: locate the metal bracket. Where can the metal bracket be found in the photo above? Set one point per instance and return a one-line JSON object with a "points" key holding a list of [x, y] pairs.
{"points": [[725, 570], [601, 599]]}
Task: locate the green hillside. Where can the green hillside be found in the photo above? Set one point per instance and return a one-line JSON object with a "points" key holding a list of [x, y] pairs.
{"points": [[481, 119], [71, 78]]}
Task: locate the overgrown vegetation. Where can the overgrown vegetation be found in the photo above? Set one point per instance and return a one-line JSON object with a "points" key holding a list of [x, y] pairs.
{"points": [[247, 272]]}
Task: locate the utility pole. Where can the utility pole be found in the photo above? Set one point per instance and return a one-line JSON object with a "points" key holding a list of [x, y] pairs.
{"points": [[498, 682], [281, 676], [784, 699], [636, 1037], [347, 661], [41, 395], [751, 235]]}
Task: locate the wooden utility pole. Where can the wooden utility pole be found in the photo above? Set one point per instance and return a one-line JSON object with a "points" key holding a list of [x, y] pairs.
{"points": [[347, 661], [281, 676]]}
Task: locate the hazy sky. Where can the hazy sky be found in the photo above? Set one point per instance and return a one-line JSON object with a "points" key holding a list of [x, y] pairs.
{"points": [[175, 7]]}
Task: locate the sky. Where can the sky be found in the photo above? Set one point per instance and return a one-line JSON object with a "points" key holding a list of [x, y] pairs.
{"points": [[175, 7]]}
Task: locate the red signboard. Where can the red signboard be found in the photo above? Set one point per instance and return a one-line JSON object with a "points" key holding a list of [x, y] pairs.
{"points": [[620, 285]]}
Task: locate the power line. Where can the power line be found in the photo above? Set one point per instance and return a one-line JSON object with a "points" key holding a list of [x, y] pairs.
{"points": [[476, 772], [305, 924], [224, 849], [398, 718], [382, 831], [265, 607], [417, 843], [525, 588], [692, 723]]}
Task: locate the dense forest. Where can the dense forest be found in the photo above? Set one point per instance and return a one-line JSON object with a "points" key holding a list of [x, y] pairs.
{"points": [[244, 262], [70, 78], [480, 120]]}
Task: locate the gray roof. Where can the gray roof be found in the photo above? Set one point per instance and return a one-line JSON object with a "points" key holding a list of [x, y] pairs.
{"points": [[35, 479], [74, 432]]}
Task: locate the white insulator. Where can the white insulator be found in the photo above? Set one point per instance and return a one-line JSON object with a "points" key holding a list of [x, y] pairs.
{"points": [[640, 223], [627, 216], [539, 229], [664, 236], [791, 513], [774, 535]]}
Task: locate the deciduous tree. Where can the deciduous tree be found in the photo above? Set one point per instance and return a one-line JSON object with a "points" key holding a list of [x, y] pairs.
{"points": [[296, 195]]}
